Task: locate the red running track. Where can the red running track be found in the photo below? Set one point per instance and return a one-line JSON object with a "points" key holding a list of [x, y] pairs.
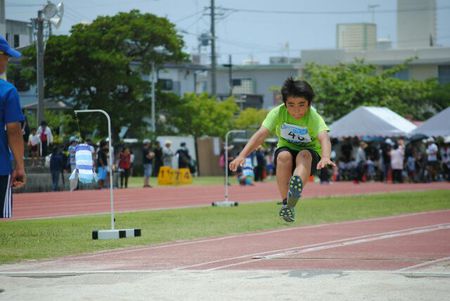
{"points": [[401, 243], [53, 204]]}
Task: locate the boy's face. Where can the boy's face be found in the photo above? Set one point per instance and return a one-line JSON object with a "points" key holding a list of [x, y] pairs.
{"points": [[297, 107]]}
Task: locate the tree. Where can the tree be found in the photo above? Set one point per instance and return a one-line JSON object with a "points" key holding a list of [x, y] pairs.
{"points": [[100, 66], [340, 89], [200, 115], [250, 118]]}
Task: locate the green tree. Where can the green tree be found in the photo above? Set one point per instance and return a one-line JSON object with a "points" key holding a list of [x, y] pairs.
{"points": [[100, 66], [200, 115], [250, 118], [342, 88]]}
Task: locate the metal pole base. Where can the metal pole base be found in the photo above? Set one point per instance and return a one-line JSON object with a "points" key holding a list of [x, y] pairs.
{"points": [[225, 204], [115, 234]]}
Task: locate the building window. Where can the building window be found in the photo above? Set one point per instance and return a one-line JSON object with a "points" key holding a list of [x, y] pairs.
{"points": [[402, 74], [16, 41], [444, 74], [165, 84], [243, 86]]}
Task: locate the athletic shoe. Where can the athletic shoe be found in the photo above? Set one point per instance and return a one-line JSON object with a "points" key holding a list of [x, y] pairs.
{"points": [[295, 191], [288, 214]]}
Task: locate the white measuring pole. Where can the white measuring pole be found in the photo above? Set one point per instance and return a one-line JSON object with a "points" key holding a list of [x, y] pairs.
{"points": [[111, 157]]}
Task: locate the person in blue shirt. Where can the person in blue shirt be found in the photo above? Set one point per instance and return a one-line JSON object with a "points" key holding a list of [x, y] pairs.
{"points": [[11, 140]]}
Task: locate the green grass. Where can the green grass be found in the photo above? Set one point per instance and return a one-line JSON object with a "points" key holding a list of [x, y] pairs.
{"points": [[48, 238]]}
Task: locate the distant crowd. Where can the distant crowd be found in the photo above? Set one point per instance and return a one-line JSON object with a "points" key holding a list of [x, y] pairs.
{"points": [[60, 158], [393, 160]]}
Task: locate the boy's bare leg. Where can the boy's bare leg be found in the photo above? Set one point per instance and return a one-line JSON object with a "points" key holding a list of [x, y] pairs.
{"points": [[283, 172], [296, 184]]}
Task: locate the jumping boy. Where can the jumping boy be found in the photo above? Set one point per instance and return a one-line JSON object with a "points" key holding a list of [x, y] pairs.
{"points": [[303, 143]]}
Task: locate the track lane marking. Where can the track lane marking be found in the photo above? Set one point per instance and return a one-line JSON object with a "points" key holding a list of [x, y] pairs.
{"points": [[319, 246], [261, 233], [423, 264]]}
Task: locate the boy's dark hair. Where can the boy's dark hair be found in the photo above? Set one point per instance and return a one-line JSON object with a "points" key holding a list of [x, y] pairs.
{"points": [[297, 88]]}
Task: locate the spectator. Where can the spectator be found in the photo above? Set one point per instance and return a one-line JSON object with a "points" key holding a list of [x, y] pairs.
{"points": [[148, 156], [33, 146], [432, 160], [71, 149], [11, 139], [45, 137], [260, 168], [386, 148], [360, 163], [56, 167], [270, 167], [245, 173], [397, 158], [445, 158], [158, 160], [410, 163], [167, 153], [132, 158], [184, 159], [124, 166], [102, 164]]}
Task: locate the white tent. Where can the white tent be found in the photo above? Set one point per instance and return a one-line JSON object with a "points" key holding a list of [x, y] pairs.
{"points": [[438, 125], [371, 121]]}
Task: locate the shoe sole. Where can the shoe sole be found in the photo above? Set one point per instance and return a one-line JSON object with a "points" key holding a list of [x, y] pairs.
{"points": [[287, 214], [295, 191]]}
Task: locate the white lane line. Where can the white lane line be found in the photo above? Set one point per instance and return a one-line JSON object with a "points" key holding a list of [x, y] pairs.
{"points": [[424, 264], [321, 246], [262, 233]]}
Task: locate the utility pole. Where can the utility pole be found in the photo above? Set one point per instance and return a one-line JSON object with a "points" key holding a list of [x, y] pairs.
{"points": [[153, 75], [230, 74], [40, 66], [372, 8], [213, 50]]}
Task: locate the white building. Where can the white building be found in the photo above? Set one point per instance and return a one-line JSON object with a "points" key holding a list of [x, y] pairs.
{"points": [[427, 62], [416, 23], [255, 85], [17, 33], [356, 36]]}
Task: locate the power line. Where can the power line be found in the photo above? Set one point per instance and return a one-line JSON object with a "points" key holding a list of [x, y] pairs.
{"points": [[354, 12]]}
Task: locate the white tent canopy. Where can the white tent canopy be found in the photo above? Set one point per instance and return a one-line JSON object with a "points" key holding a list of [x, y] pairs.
{"points": [[371, 121], [438, 125]]}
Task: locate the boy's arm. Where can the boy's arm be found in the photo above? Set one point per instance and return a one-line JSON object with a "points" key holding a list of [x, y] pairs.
{"points": [[15, 141], [325, 143], [256, 140]]}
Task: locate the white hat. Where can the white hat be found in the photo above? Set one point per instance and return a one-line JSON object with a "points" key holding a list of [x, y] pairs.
{"points": [[389, 141], [145, 141], [167, 142]]}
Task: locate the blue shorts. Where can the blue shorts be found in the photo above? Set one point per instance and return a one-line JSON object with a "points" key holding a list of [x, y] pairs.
{"points": [[101, 173], [147, 170]]}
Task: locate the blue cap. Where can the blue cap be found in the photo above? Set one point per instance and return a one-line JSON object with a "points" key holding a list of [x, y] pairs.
{"points": [[6, 49]]}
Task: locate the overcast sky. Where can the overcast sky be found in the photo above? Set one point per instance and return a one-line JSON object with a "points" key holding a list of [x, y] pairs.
{"points": [[246, 29]]}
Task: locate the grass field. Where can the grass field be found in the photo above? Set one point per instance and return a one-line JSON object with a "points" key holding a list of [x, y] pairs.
{"points": [[49, 238]]}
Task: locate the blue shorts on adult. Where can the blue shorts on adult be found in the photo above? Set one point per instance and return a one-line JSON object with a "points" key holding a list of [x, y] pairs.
{"points": [[101, 173], [147, 170]]}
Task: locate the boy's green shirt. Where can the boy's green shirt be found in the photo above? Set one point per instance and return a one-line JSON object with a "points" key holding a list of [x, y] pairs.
{"points": [[296, 134]]}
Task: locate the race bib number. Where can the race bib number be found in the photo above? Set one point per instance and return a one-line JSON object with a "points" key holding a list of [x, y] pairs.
{"points": [[295, 134]]}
